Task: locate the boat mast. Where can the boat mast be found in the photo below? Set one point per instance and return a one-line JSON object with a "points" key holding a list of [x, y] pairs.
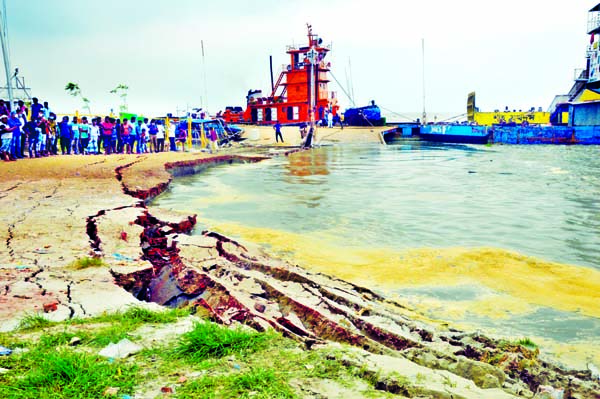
{"points": [[312, 57], [424, 121], [205, 102], [5, 55]]}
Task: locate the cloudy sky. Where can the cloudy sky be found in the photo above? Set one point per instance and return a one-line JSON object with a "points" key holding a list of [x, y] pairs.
{"points": [[518, 53]]}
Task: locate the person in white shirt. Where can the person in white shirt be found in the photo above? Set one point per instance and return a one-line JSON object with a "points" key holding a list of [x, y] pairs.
{"points": [[92, 147], [160, 137], [75, 142]]}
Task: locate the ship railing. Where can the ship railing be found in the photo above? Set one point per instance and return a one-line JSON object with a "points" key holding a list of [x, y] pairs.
{"points": [[580, 75]]}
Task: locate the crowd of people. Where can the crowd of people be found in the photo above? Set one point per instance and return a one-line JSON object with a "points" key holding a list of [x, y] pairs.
{"points": [[35, 132]]}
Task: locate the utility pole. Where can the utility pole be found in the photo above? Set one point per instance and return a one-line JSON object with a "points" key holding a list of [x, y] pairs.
{"points": [[5, 55]]}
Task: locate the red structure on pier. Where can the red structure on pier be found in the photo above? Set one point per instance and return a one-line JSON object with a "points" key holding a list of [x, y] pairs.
{"points": [[299, 94]]}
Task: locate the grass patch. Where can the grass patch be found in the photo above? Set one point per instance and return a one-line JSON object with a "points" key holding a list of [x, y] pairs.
{"points": [[135, 316], [258, 383], [87, 262], [63, 374], [208, 340], [527, 343], [34, 321]]}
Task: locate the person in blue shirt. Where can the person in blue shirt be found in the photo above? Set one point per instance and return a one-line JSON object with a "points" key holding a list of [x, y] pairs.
{"points": [[66, 134], [36, 108], [278, 135], [15, 145]]}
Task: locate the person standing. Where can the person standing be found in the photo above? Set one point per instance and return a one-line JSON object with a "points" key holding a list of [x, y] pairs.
{"points": [[36, 107], [22, 115], [173, 136], [106, 127], [143, 139], [75, 137], [119, 145], [53, 137], [66, 134], [278, 135], [46, 110], [44, 140], [6, 138], [15, 145], [128, 140], [153, 131], [160, 137], [84, 135], [92, 147], [329, 119], [214, 139], [134, 138], [4, 108], [116, 136], [182, 136]]}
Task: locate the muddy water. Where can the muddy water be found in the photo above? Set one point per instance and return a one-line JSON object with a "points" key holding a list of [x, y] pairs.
{"points": [[505, 238]]}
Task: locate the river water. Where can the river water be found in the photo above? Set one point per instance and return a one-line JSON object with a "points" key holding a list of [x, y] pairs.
{"points": [[504, 238]]}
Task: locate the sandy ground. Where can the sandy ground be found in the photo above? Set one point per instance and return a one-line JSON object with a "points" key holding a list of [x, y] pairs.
{"points": [[45, 205], [265, 135]]}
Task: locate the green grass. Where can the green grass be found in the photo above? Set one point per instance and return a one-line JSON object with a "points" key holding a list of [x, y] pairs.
{"points": [[84, 263], [208, 340], [63, 374], [219, 362], [527, 343], [135, 316], [34, 321], [257, 383]]}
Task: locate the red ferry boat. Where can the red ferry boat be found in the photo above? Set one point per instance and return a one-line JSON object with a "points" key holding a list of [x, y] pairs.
{"points": [[300, 93]]}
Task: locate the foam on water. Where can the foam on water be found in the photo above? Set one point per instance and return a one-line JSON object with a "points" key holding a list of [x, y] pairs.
{"points": [[505, 239]]}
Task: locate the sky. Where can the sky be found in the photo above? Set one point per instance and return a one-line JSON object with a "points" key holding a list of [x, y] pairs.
{"points": [[515, 53]]}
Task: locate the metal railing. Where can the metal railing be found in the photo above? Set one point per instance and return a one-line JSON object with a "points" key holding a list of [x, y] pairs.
{"points": [[580, 74]]}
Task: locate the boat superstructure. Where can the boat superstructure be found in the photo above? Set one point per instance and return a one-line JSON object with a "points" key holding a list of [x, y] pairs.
{"points": [[300, 93]]}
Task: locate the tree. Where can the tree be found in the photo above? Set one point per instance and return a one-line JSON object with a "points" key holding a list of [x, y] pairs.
{"points": [[74, 90], [121, 91]]}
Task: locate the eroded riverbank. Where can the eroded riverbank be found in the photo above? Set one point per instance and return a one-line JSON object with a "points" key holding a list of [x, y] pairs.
{"points": [[95, 206]]}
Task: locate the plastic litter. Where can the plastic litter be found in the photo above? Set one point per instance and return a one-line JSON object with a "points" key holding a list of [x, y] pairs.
{"points": [[5, 351], [111, 391], [166, 390], [548, 392], [120, 350], [118, 256], [594, 370]]}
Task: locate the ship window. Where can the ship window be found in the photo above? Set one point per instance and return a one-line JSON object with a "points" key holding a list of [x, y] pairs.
{"points": [[290, 113]]}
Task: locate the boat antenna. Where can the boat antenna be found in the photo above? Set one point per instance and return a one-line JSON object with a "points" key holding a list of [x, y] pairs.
{"points": [[271, 68], [205, 105], [5, 55], [351, 88]]}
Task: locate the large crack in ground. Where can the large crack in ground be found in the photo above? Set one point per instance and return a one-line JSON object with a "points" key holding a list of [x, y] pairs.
{"points": [[240, 286]]}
